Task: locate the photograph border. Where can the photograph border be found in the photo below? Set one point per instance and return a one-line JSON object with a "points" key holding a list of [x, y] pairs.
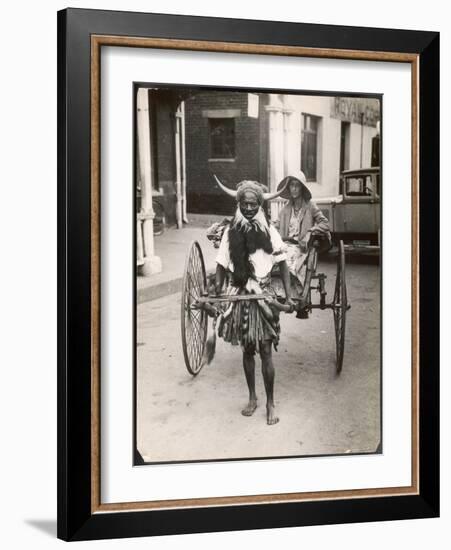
{"points": [[137, 458], [81, 34]]}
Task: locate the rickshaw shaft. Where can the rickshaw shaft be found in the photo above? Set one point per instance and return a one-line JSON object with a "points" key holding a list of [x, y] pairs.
{"points": [[238, 298]]}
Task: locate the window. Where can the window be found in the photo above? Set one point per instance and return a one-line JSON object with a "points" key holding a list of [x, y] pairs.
{"points": [[375, 150], [222, 138], [361, 186], [309, 146]]}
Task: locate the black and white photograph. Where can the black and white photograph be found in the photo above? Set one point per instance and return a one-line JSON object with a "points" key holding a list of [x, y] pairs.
{"points": [[257, 267]]}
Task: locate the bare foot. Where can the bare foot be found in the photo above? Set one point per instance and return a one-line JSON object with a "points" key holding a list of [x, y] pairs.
{"points": [[271, 417], [250, 408]]}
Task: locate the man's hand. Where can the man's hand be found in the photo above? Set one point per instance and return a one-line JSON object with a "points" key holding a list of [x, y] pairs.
{"points": [[318, 230], [288, 306], [270, 300]]}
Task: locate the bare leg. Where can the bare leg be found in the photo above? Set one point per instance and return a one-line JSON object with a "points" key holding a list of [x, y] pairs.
{"points": [[268, 378], [249, 371]]}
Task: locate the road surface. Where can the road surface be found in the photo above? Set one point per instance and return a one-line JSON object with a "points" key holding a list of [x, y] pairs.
{"points": [[180, 417]]}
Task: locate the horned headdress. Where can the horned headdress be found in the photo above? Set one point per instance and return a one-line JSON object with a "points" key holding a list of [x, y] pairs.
{"points": [[248, 185]]}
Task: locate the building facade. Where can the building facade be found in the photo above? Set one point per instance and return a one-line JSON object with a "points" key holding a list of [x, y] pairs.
{"points": [[160, 175], [265, 137], [185, 136], [226, 135]]}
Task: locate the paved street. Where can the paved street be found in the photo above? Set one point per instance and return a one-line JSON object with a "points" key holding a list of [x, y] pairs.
{"points": [[184, 418]]}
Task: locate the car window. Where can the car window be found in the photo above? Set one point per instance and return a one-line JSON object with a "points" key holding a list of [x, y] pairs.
{"points": [[359, 186]]}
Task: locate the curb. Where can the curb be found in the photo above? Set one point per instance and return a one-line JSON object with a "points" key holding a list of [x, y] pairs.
{"points": [[153, 292]]}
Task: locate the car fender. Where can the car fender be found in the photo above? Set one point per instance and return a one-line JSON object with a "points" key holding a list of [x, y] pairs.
{"points": [[328, 205]]}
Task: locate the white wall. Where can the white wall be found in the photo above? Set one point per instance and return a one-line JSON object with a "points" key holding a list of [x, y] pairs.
{"points": [[356, 139], [329, 133], [330, 163], [28, 289]]}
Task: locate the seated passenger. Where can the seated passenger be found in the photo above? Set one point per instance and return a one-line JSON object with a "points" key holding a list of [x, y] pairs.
{"points": [[298, 220]]}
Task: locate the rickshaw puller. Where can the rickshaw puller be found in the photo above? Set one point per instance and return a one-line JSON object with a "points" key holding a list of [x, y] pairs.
{"points": [[250, 246]]}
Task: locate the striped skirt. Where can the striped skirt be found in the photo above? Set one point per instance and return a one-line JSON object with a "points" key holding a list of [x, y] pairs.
{"points": [[249, 323]]}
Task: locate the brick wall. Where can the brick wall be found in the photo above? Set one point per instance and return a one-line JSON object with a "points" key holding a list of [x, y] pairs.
{"points": [[250, 151]]}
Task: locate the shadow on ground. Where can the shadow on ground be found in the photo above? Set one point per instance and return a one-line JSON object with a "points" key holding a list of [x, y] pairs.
{"points": [[46, 526]]}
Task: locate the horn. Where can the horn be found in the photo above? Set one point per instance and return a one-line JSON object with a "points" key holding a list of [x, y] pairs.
{"points": [[270, 196], [230, 192]]}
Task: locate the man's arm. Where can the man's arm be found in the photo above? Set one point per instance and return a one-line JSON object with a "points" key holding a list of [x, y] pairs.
{"points": [[219, 280]]}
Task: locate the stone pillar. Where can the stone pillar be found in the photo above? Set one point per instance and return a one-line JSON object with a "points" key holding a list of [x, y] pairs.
{"points": [[139, 243], [290, 143], [152, 263], [276, 146], [178, 168], [184, 200]]}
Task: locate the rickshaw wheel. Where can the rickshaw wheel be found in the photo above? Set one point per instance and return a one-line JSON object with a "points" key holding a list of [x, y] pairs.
{"points": [[194, 321], [340, 306]]}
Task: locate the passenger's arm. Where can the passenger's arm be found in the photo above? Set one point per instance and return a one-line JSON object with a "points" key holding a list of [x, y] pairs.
{"points": [[321, 223]]}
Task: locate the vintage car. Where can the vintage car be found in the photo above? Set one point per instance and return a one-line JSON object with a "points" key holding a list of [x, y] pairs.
{"points": [[355, 214]]}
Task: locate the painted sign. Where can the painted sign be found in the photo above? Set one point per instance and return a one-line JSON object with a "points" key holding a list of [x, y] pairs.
{"points": [[364, 111]]}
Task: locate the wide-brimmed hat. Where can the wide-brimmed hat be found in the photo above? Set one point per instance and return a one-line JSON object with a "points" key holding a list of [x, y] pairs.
{"points": [[301, 179]]}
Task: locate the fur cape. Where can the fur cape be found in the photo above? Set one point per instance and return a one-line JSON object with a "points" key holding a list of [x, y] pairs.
{"points": [[245, 238]]}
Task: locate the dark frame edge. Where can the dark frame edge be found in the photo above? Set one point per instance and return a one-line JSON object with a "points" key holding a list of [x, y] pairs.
{"points": [[73, 248], [133, 524], [429, 275], [276, 32], [62, 496]]}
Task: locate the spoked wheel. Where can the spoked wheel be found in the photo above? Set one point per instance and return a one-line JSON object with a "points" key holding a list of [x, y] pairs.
{"points": [[340, 306], [194, 321]]}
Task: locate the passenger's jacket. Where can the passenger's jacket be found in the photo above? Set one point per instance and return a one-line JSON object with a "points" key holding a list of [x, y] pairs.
{"points": [[310, 218]]}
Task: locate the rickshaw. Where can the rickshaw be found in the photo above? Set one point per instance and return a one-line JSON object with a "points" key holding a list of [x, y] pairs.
{"points": [[197, 306]]}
